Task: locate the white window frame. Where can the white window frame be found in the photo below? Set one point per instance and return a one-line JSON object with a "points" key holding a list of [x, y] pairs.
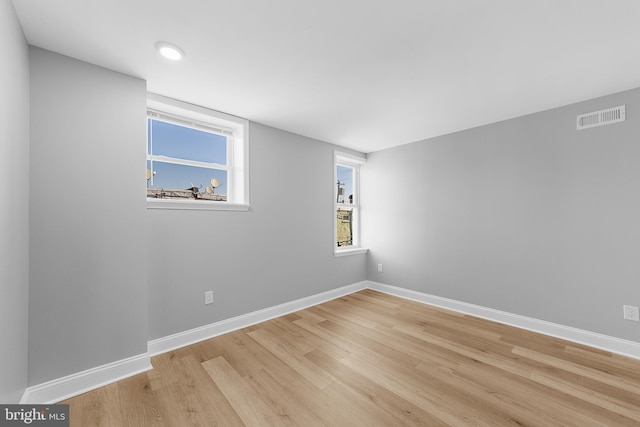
{"points": [[237, 167], [354, 162]]}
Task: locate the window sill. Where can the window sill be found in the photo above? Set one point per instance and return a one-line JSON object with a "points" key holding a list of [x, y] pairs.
{"points": [[352, 251], [198, 206]]}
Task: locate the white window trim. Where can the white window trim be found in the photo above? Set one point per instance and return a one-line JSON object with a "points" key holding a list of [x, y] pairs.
{"points": [[238, 152], [349, 251], [345, 159]]}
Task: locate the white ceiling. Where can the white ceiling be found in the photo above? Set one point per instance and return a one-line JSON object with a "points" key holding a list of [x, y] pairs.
{"points": [[365, 74]]}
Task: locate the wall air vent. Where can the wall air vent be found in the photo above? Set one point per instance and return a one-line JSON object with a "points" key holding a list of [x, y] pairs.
{"points": [[601, 118]]}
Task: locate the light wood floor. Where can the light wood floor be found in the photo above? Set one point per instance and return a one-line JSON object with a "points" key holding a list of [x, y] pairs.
{"points": [[370, 359]]}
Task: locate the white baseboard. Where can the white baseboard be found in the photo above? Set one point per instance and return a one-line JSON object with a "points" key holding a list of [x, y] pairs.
{"points": [[591, 339], [81, 382], [192, 336]]}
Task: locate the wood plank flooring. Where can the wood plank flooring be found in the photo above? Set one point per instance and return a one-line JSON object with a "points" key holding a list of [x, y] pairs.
{"points": [[370, 359]]}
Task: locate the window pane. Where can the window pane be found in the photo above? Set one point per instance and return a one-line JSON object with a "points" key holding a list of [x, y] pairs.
{"points": [[167, 139], [345, 184], [180, 179], [344, 227]]}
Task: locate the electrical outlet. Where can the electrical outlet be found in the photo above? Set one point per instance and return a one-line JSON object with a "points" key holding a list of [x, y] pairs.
{"points": [[208, 297], [379, 268], [631, 313]]}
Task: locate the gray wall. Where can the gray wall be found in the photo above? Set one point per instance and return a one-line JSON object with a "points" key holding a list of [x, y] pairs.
{"points": [[88, 274], [527, 216], [14, 212], [107, 275], [279, 251]]}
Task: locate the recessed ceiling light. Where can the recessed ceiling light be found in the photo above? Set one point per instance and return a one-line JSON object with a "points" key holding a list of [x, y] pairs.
{"points": [[170, 51]]}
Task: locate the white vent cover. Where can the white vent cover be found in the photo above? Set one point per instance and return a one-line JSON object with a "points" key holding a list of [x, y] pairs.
{"points": [[601, 118]]}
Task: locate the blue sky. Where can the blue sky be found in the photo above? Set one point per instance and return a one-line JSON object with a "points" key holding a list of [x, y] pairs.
{"points": [[345, 176], [167, 139]]}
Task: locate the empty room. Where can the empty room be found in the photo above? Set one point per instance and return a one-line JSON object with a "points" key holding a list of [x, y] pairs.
{"points": [[301, 213]]}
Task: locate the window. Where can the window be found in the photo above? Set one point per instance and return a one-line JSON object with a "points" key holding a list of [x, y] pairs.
{"points": [[196, 158], [347, 204]]}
